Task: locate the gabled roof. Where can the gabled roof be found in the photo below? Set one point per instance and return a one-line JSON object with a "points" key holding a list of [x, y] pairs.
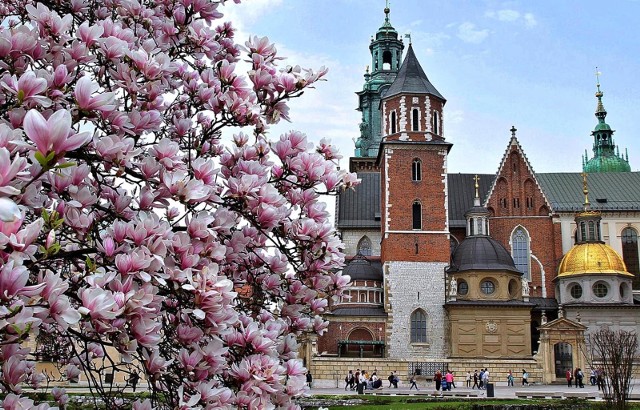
{"points": [[360, 207], [411, 79], [563, 324], [608, 191], [514, 142]]}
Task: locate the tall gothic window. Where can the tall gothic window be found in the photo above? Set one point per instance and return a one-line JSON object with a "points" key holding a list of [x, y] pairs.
{"points": [[415, 120], [418, 326], [416, 170], [364, 246], [520, 250], [417, 215], [393, 122], [630, 253]]}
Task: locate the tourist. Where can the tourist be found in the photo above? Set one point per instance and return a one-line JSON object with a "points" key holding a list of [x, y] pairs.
{"points": [[393, 380], [412, 381], [510, 379], [592, 377], [525, 377], [133, 379], [485, 378], [475, 380], [449, 379], [580, 377], [349, 380], [468, 379], [481, 377], [569, 377], [438, 379], [309, 379]]}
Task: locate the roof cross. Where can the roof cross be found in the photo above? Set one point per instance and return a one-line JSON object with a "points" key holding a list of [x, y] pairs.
{"points": [[513, 131], [476, 179]]}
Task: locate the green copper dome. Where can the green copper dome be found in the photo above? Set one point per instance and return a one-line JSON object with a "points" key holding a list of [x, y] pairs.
{"points": [[606, 157], [606, 164]]}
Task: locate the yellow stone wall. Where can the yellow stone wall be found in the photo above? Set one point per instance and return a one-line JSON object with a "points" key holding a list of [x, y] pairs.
{"points": [[500, 332]]}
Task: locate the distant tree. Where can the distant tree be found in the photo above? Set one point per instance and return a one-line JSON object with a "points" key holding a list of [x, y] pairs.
{"points": [[131, 234], [613, 354]]}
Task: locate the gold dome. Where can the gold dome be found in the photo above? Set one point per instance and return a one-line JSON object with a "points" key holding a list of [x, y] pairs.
{"points": [[592, 257]]}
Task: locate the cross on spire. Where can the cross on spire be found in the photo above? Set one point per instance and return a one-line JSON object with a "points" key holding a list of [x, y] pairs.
{"points": [[513, 131], [598, 74], [476, 179]]}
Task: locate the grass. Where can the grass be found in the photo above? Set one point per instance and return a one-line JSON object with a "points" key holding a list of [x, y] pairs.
{"points": [[414, 403]]}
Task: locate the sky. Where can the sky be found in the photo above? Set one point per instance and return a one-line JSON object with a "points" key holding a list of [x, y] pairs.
{"points": [[528, 64]]}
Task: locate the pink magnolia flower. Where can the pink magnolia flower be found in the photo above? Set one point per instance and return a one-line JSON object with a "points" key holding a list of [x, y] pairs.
{"points": [[28, 88], [83, 93], [54, 134]]}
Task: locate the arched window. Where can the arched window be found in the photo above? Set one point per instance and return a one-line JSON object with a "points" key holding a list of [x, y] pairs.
{"points": [[520, 250], [418, 326], [386, 60], [416, 170], [393, 122], [435, 122], [417, 215], [364, 246], [415, 121], [630, 253]]}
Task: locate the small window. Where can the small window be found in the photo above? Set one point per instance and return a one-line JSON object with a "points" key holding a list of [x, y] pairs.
{"points": [[576, 291], [393, 122], [417, 215], [592, 231], [583, 231], [364, 246], [623, 291], [416, 170], [600, 289], [415, 120], [463, 288], [435, 122], [487, 287]]}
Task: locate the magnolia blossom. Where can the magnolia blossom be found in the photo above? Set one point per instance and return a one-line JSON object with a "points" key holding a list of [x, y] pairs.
{"points": [[53, 134], [132, 233]]}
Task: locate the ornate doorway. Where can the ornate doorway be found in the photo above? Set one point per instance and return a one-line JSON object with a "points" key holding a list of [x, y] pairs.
{"points": [[563, 358]]}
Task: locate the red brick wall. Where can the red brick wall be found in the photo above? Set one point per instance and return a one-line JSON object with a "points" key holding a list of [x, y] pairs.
{"points": [[394, 104], [341, 330], [429, 191]]}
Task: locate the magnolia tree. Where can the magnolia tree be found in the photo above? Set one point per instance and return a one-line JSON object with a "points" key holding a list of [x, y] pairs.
{"points": [[131, 235]]}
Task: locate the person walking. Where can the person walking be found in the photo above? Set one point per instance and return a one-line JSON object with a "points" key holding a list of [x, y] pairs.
{"points": [[413, 383], [449, 378], [569, 377], [348, 380], [481, 377], [575, 377], [468, 379], [475, 380], [510, 379], [133, 379], [580, 378], [525, 377], [438, 379], [309, 379], [485, 378]]}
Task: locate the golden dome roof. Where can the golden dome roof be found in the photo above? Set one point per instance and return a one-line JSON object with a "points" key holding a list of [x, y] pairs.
{"points": [[592, 257]]}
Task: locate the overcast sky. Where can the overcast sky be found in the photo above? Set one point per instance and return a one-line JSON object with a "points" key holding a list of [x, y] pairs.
{"points": [[530, 64]]}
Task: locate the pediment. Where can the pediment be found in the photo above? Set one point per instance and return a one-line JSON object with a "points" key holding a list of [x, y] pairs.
{"points": [[562, 324]]}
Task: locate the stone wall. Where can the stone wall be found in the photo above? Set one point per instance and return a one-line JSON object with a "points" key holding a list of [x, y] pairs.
{"points": [[411, 286], [329, 372], [351, 238]]}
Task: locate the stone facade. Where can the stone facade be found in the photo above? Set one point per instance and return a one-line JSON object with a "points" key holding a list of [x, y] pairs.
{"points": [[412, 286], [351, 239]]}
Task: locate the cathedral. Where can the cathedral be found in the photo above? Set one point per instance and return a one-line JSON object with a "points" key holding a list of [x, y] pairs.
{"points": [[508, 271]]}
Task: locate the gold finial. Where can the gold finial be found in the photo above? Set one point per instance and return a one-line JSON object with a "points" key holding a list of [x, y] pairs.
{"points": [[476, 179], [367, 69], [585, 191]]}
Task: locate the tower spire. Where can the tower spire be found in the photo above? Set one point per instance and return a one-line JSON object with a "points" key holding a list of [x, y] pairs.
{"points": [[386, 12], [585, 191], [606, 157]]}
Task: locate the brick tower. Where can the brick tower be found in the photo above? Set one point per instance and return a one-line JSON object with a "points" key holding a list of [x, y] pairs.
{"points": [[415, 233]]}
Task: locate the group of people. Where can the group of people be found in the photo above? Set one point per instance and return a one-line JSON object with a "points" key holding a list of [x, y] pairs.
{"points": [[480, 379], [365, 381], [444, 381], [577, 376]]}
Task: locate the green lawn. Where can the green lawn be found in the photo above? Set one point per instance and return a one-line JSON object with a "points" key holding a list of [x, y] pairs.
{"points": [[366, 402]]}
